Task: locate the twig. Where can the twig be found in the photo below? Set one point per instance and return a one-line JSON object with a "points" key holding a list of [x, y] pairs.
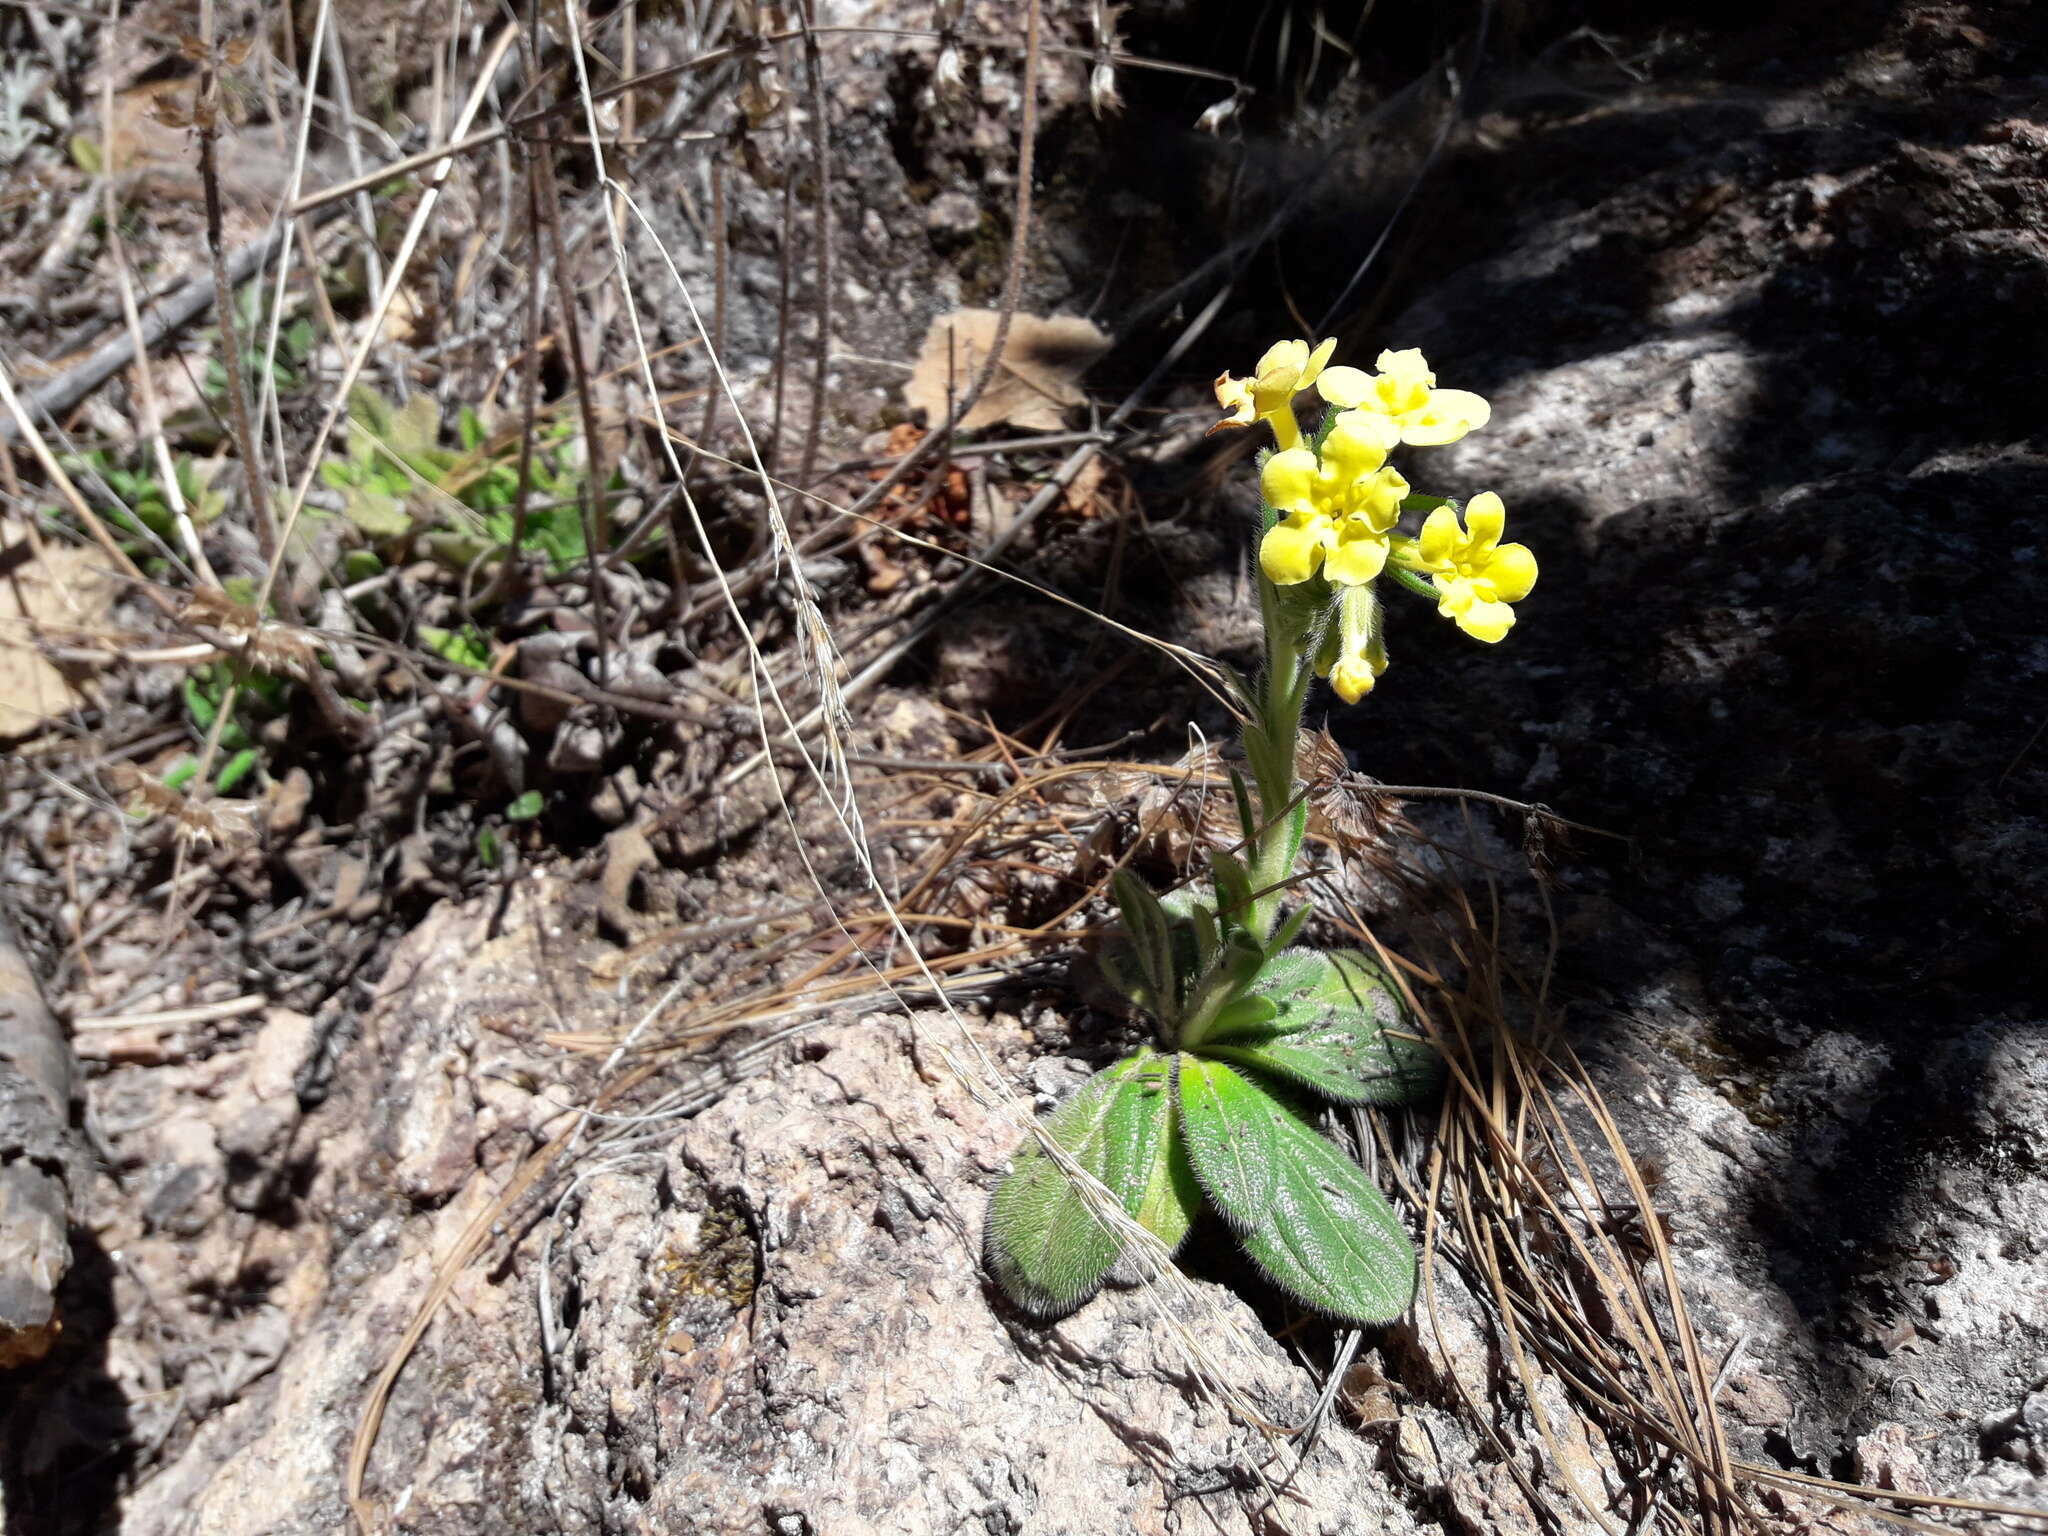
{"points": [[41, 1171], [821, 150]]}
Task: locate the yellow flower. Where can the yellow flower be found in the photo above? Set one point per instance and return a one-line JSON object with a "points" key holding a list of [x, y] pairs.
{"points": [[1476, 575], [1287, 368], [1404, 391], [1336, 509], [1361, 648], [1353, 677]]}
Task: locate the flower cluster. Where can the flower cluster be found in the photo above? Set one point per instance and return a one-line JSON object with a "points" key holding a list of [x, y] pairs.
{"points": [[1336, 502]]}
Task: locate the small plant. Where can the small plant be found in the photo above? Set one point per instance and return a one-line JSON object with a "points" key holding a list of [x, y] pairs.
{"points": [[145, 503], [261, 696], [295, 340], [1251, 1024], [396, 475]]}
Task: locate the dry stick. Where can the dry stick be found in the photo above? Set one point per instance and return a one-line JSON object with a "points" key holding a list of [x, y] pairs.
{"points": [[1648, 1343], [595, 537], [247, 444], [301, 137], [351, 143], [387, 296], [145, 386], [784, 261], [822, 152], [529, 389]]}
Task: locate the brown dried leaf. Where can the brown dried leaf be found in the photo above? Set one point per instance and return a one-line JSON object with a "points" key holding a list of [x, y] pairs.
{"points": [[61, 596], [1033, 388]]}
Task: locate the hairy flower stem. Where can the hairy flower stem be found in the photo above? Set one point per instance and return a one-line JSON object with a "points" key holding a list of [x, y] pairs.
{"points": [[1269, 745]]}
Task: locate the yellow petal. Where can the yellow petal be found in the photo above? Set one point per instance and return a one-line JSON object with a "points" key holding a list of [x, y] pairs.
{"points": [[1234, 396], [1357, 445], [1408, 366], [1282, 357], [1487, 621], [1443, 416], [1346, 387], [1462, 405], [1289, 479], [1291, 550], [1359, 554], [1378, 498], [1485, 519], [1353, 678], [1440, 540], [1512, 571], [1361, 440], [1312, 369]]}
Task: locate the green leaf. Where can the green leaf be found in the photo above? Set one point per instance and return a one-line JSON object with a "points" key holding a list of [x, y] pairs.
{"points": [[1146, 926], [1331, 1030], [1307, 1215], [1233, 889], [487, 847], [1291, 926], [469, 429], [1421, 503], [235, 769], [201, 708], [525, 807], [1045, 1248], [1247, 822], [181, 773], [378, 513], [465, 646], [415, 426]]}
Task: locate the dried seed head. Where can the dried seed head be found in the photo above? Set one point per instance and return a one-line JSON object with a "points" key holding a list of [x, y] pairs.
{"points": [[1544, 836], [1357, 811], [1103, 96]]}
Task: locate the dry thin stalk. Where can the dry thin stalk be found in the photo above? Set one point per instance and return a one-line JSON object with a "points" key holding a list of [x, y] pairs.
{"points": [[821, 151]]}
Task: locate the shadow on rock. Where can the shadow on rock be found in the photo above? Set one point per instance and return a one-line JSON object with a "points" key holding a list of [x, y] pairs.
{"points": [[66, 1445]]}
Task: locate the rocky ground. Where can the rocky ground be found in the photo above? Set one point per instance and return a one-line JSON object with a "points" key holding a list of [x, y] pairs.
{"points": [[1753, 300]]}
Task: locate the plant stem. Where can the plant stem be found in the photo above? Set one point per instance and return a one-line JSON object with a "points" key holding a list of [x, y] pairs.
{"points": [[1269, 748]]}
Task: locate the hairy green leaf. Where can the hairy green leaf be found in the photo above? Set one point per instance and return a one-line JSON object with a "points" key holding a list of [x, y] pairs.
{"points": [[1046, 1249], [1233, 888], [1307, 1214], [1146, 926], [1336, 1027]]}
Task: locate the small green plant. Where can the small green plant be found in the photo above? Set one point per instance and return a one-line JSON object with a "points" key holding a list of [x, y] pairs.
{"points": [[295, 340], [1251, 1025], [396, 475], [146, 504], [466, 647], [261, 696]]}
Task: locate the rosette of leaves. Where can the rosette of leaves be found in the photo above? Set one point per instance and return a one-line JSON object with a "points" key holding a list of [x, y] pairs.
{"points": [[1251, 1034]]}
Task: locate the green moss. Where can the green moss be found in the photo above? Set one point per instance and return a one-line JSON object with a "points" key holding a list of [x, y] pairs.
{"points": [[700, 1283]]}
